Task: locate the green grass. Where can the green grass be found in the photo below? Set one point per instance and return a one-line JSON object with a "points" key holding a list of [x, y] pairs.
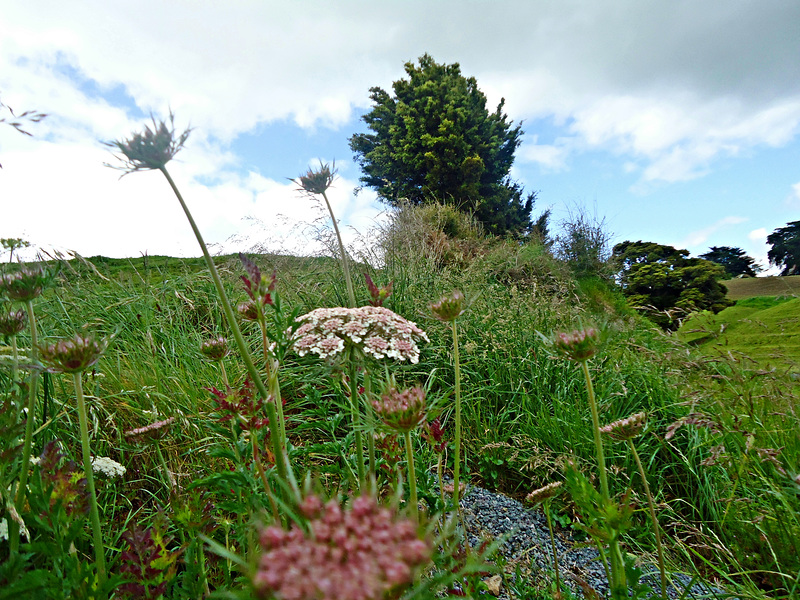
{"points": [[525, 412]]}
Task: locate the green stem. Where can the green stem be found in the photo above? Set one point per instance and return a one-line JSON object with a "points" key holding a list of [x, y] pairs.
{"points": [[412, 477], [26, 449], [598, 441], [351, 296], [356, 417], [14, 360], [653, 518], [553, 544], [224, 374], [94, 514], [457, 459], [278, 443], [170, 481]]}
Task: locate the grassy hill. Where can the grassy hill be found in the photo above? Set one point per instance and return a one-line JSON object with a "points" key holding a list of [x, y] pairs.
{"points": [[764, 324]]}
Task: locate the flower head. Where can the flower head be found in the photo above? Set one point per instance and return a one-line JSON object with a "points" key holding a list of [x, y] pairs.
{"points": [[152, 148], [379, 295], [434, 434], [152, 430], [578, 346], [627, 428], [401, 411], [103, 465], [248, 310], [12, 322], [215, 349], [551, 490], [449, 308], [375, 330], [363, 552], [25, 284], [73, 355], [317, 181], [244, 406]]}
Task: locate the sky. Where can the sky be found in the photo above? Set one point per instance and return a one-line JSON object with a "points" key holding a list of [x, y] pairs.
{"points": [[676, 122]]}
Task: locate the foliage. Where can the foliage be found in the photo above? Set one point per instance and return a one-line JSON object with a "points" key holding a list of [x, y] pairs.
{"points": [[785, 251], [435, 139], [734, 260], [668, 283], [584, 245]]}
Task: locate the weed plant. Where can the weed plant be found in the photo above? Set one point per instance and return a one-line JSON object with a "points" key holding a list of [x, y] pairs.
{"points": [[202, 508]]}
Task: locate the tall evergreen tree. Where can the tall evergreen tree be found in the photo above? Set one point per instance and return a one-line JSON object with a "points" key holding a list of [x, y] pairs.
{"points": [[733, 260], [435, 140], [785, 251]]}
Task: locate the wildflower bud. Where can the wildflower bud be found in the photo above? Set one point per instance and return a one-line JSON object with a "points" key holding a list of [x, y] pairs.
{"points": [[627, 428], [379, 295], [257, 285], [578, 346], [248, 311], [215, 349], [449, 308], [434, 434], [12, 322], [23, 285], [551, 490], [72, 355], [401, 411], [316, 182]]}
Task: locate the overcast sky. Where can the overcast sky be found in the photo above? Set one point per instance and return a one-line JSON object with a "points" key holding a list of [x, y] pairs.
{"points": [[676, 121]]}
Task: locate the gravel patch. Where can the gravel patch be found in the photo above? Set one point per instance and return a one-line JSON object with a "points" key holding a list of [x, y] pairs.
{"points": [[527, 542]]}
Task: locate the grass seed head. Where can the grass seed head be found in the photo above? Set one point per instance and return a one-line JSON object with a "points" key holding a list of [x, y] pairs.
{"points": [[551, 490], [627, 428]]}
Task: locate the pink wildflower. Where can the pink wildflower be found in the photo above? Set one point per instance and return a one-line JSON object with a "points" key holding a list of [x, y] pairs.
{"points": [[361, 553], [401, 411], [375, 330], [578, 346]]}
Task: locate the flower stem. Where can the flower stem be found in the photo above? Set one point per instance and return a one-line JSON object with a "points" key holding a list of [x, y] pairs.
{"points": [[26, 449], [656, 527], [457, 459], [356, 417], [94, 514], [553, 544], [598, 441], [412, 477], [351, 296], [278, 443]]}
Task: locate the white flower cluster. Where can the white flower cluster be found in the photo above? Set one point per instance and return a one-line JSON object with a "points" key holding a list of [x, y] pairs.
{"points": [[377, 331], [23, 531], [102, 465]]}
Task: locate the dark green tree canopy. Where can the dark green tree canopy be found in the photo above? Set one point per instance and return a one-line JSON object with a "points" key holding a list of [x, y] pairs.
{"points": [[666, 279], [733, 260], [785, 251], [435, 140]]}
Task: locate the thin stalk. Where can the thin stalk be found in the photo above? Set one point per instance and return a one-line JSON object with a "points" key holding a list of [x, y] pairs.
{"points": [[553, 544], [355, 414], [224, 374], [262, 473], [351, 296], [278, 443], [457, 459], [370, 430], [14, 360], [653, 518], [170, 480], [412, 477], [94, 514], [26, 449], [617, 579]]}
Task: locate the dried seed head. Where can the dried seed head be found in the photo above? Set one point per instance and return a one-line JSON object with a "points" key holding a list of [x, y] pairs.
{"points": [[551, 490], [152, 430], [449, 308], [24, 285], [579, 345], [151, 149], [215, 349], [12, 322], [317, 181], [627, 428], [401, 411], [72, 355]]}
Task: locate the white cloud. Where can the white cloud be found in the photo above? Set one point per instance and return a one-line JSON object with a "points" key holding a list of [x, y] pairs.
{"points": [[699, 237], [793, 201]]}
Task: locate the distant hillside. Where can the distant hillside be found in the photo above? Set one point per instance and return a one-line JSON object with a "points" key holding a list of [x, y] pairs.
{"points": [[764, 324], [749, 287]]}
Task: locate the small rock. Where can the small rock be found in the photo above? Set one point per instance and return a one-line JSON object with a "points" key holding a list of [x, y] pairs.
{"points": [[494, 584]]}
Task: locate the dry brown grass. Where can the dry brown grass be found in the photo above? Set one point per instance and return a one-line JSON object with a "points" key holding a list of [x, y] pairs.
{"points": [[739, 289]]}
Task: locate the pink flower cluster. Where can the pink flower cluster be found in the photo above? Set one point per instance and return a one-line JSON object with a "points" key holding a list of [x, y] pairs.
{"points": [[376, 330], [357, 554], [401, 411]]}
